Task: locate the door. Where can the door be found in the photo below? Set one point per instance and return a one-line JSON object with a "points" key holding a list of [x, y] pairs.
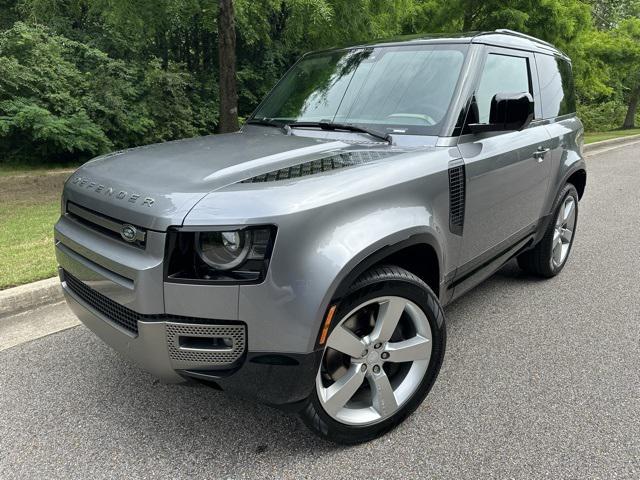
{"points": [[507, 172]]}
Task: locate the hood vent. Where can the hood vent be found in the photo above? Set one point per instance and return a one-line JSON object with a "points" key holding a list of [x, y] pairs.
{"points": [[334, 162]]}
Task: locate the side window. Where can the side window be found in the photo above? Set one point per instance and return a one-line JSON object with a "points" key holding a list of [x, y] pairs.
{"points": [[556, 86], [501, 74]]}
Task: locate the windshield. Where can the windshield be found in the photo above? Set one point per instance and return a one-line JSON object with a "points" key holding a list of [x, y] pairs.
{"points": [[398, 90]]}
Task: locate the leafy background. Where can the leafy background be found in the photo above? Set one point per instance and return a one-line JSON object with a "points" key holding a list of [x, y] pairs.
{"points": [[82, 77]]}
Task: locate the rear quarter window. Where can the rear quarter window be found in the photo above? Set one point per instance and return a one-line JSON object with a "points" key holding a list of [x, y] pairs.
{"points": [[557, 90]]}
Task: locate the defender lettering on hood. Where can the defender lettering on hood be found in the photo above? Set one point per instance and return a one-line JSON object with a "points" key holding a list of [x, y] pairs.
{"points": [[111, 193]]}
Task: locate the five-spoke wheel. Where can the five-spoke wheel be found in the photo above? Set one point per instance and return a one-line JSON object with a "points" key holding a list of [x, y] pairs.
{"points": [[563, 233], [381, 357], [549, 256], [375, 360]]}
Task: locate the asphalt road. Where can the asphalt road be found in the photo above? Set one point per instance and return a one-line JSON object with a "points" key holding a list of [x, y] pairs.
{"points": [[541, 380]]}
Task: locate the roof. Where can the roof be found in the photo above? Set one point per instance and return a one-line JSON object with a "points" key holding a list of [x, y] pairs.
{"points": [[501, 38]]}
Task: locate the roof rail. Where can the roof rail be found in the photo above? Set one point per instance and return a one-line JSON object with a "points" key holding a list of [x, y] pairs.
{"points": [[524, 35]]}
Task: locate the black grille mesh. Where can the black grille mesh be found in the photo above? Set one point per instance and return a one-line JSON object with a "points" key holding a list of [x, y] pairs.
{"points": [[456, 198], [115, 312], [334, 162]]}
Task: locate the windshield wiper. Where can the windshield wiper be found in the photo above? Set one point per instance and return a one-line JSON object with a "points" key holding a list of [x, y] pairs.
{"points": [[341, 126]]}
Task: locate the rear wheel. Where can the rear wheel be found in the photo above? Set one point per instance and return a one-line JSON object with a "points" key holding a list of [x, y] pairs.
{"points": [[381, 358], [549, 257]]}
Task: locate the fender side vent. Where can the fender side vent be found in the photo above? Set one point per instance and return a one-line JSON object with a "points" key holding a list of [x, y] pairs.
{"points": [[456, 198], [333, 162]]}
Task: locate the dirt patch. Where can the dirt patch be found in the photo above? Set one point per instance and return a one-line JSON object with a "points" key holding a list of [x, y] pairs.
{"points": [[36, 188]]}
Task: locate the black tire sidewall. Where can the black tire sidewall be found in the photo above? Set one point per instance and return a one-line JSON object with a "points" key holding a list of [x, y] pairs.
{"points": [[314, 415]]}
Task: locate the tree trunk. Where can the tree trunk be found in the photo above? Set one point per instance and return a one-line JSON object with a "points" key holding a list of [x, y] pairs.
{"points": [[227, 68], [630, 118]]}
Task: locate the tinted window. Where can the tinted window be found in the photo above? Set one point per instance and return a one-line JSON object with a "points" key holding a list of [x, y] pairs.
{"points": [[556, 86], [501, 74]]}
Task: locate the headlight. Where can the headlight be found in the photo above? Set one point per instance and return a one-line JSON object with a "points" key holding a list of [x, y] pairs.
{"points": [[223, 250], [220, 256]]}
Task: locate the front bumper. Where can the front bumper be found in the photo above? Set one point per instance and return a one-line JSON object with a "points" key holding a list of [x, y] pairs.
{"points": [[282, 380]]}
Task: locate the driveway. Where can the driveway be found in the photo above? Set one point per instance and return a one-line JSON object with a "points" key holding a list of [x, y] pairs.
{"points": [[541, 379]]}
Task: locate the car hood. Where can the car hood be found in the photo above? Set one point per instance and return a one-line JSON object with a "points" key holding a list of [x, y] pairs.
{"points": [[155, 186]]}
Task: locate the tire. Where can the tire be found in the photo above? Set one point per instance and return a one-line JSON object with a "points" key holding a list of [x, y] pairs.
{"points": [[543, 260], [387, 290]]}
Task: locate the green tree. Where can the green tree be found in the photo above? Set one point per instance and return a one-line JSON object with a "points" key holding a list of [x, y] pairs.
{"points": [[78, 77], [618, 53]]}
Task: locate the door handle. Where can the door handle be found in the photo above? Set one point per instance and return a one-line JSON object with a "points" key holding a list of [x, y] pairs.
{"points": [[540, 153]]}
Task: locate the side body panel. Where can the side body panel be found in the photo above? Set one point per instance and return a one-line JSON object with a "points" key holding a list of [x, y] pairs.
{"points": [[506, 189], [565, 156]]}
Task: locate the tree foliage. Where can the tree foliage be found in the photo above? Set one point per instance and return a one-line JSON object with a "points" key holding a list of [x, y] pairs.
{"points": [[81, 77]]}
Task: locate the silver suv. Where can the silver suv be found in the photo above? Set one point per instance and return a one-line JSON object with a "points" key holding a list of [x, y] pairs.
{"points": [[304, 261]]}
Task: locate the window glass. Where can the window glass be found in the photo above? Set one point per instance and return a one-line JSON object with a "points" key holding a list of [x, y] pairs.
{"points": [[501, 74], [556, 86], [404, 89]]}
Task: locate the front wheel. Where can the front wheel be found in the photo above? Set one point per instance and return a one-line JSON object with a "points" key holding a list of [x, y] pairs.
{"points": [[381, 358]]}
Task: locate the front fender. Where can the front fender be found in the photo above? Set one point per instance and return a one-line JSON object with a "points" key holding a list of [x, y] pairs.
{"points": [[311, 262]]}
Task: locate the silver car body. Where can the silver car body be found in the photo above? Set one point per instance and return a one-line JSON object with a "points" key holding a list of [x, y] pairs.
{"points": [[330, 227]]}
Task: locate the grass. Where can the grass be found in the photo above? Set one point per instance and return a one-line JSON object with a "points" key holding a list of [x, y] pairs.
{"points": [[592, 137], [26, 243], [29, 206]]}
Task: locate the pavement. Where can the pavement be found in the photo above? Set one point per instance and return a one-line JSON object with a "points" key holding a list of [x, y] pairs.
{"points": [[541, 380]]}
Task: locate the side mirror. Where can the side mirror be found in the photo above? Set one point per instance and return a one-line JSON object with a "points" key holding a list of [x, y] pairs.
{"points": [[509, 111]]}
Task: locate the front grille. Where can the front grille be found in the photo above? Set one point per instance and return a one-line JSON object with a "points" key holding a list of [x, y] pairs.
{"points": [[333, 162], [107, 225], [121, 315]]}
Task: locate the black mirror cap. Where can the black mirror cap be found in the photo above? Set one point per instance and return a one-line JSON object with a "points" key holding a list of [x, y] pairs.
{"points": [[513, 110], [509, 111]]}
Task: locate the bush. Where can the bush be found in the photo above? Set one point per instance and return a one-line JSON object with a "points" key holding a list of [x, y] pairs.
{"points": [[62, 100], [602, 117]]}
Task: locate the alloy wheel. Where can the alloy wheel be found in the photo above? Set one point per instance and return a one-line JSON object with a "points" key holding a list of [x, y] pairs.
{"points": [[563, 233], [375, 360]]}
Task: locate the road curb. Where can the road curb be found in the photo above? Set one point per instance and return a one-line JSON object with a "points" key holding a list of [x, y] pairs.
{"points": [[25, 297], [590, 147]]}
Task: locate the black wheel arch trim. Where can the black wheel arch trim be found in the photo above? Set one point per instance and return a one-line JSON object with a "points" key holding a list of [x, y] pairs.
{"points": [[575, 168], [544, 221], [376, 257]]}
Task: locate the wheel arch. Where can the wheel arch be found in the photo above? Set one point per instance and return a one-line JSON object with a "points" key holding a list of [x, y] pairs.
{"points": [[420, 254], [392, 250], [578, 178]]}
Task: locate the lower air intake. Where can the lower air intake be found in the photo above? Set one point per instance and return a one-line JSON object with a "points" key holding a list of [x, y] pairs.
{"points": [[204, 346]]}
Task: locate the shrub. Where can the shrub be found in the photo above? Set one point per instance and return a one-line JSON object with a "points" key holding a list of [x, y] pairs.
{"points": [[603, 116], [63, 100]]}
